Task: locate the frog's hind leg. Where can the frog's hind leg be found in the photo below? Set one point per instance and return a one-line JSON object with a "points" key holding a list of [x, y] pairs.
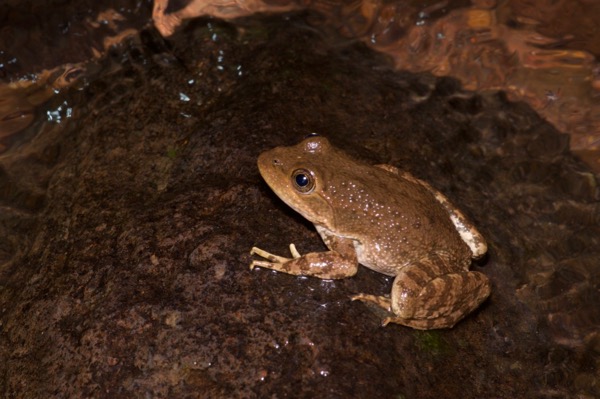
{"points": [[382, 301], [431, 294]]}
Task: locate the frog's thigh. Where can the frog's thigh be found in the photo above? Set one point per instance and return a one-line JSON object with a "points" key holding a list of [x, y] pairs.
{"points": [[426, 295]]}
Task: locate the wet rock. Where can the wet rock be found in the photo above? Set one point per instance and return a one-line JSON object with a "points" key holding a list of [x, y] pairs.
{"points": [[36, 37], [548, 144], [581, 184], [131, 278]]}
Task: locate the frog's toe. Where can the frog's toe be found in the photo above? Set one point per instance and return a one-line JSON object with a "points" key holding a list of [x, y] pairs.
{"points": [[381, 301], [420, 324], [417, 324], [267, 255], [294, 252], [263, 263]]}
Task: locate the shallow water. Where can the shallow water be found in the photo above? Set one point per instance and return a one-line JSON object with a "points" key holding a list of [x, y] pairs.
{"points": [[542, 52], [129, 199], [46, 47]]}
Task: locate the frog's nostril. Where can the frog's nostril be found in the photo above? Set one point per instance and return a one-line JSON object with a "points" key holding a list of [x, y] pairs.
{"points": [[276, 162]]}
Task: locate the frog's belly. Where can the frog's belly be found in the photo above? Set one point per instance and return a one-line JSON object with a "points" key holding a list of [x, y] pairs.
{"points": [[391, 257], [379, 258]]}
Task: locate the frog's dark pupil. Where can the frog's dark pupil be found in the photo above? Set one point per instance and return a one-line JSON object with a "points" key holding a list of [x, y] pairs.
{"points": [[301, 180]]}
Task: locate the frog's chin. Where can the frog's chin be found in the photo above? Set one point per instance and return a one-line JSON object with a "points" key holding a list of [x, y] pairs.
{"points": [[311, 206]]}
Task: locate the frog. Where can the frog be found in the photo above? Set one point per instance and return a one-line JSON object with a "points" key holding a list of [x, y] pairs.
{"points": [[385, 219]]}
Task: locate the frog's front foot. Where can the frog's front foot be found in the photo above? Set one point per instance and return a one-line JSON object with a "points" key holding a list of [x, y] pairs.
{"points": [[325, 265], [273, 261]]}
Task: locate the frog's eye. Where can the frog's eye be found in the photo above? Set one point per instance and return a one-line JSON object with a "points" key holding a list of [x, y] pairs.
{"points": [[303, 181]]}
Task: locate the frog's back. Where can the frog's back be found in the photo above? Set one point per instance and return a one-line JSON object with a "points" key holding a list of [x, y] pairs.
{"points": [[392, 220]]}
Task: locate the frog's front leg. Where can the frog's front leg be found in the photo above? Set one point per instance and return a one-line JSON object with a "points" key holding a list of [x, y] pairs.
{"points": [[432, 294], [340, 262]]}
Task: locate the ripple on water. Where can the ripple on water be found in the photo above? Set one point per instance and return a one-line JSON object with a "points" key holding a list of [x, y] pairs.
{"points": [[539, 52]]}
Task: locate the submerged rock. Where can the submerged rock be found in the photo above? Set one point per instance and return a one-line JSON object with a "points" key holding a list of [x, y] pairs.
{"points": [[125, 272]]}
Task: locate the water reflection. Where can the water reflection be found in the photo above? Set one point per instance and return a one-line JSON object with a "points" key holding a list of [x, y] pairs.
{"points": [[530, 49], [16, 112], [536, 51], [44, 51], [20, 100], [495, 49]]}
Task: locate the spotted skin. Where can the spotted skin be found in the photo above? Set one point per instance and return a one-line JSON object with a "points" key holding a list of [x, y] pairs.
{"points": [[465, 228]]}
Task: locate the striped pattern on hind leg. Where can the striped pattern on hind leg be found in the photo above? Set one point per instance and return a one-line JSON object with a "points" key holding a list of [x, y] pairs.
{"points": [[430, 294]]}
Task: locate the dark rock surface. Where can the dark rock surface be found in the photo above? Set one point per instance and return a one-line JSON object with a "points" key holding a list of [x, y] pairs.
{"points": [[125, 265]]}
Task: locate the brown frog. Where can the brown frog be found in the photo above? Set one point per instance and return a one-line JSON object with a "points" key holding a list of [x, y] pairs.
{"points": [[384, 219]]}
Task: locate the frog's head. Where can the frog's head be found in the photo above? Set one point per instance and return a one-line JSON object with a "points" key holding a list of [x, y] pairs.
{"points": [[299, 174]]}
